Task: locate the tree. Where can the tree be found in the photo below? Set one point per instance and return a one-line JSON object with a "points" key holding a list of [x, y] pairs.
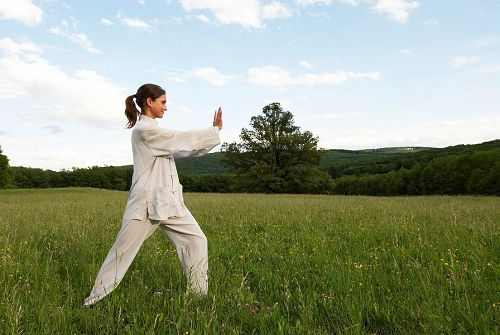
{"points": [[493, 180], [4, 170], [274, 152]]}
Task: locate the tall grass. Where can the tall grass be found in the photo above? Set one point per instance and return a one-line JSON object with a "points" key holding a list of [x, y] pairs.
{"points": [[278, 264]]}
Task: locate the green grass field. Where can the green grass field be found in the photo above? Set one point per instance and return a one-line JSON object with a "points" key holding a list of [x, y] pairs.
{"points": [[278, 264]]}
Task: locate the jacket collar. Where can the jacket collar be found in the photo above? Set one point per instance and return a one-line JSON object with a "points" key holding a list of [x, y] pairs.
{"points": [[147, 119]]}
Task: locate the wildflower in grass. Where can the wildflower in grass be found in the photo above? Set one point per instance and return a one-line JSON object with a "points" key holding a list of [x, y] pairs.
{"points": [[358, 265]]}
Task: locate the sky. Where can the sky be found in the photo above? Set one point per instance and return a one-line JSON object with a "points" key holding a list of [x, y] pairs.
{"points": [[358, 74]]}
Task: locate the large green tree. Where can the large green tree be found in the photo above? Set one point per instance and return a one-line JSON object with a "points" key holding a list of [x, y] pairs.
{"points": [[276, 156], [4, 169]]}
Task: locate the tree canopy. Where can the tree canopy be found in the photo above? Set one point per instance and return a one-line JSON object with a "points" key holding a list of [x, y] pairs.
{"points": [[275, 155]]}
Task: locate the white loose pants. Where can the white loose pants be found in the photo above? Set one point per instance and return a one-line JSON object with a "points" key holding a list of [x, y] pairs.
{"points": [[187, 237]]}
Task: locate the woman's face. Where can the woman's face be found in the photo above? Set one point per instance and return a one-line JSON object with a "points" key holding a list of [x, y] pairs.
{"points": [[157, 107]]}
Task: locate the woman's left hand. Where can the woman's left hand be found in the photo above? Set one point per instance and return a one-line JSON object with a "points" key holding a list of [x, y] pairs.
{"points": [[218, 118]]}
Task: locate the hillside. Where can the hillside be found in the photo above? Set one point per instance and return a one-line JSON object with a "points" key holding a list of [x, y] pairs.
{"points": [[347, 162], [441, 170]]}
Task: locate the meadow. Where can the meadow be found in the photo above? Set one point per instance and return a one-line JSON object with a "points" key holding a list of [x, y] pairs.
{"points": [[278, 264]]}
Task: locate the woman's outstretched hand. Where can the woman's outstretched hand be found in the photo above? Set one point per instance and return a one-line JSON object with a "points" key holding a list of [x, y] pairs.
{"points": [[218, 118]]}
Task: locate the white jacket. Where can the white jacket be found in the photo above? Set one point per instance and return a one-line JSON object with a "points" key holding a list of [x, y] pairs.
{"points": [[156, 192]]}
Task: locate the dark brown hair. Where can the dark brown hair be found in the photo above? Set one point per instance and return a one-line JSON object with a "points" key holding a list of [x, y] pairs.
{"points": [[145, 91]]}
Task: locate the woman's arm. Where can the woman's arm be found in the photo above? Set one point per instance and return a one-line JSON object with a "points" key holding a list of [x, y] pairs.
{"points": [[166, 142]]}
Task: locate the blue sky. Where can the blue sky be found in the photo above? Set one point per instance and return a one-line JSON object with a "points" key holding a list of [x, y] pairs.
{"points": [[357, 73]]}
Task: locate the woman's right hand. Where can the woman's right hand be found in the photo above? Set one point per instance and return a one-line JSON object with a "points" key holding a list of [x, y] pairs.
{"points": [[218, 118]]}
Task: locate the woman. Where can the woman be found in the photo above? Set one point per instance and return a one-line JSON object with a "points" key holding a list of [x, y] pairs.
{"points": [[155, 198]]}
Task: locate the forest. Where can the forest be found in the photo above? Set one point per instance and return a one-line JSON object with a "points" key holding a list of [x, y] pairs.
{"points": [[469, 169], [276, 156]]}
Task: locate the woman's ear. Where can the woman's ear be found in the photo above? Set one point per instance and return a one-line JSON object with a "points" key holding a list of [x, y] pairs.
{"points": [[149, 102]]}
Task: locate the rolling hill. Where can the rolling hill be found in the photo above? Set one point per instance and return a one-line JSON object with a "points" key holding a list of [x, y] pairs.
{"points": [[347, 162]]}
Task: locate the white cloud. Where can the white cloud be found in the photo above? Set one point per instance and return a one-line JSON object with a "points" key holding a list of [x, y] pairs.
{"points": [[247, 13], [134, 22], [461, 61], [398, 10], [243, 12], [106, 22], [275, 10], [211, 75], [78, 38], [306, 64], [275, 76], [327, 2], [202, 18], [80, 96], [21, 10], [11, 47], [74, 22]]}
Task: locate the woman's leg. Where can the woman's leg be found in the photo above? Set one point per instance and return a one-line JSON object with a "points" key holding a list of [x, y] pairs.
{"points": [[128, 242], [192, 250]]}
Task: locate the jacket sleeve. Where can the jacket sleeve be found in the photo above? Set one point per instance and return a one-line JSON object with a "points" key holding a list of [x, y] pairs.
{"points": [[166, 142]]}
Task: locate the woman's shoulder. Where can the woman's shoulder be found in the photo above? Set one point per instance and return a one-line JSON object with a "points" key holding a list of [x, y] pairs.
{"points": [[144, 126], [149, 133]]}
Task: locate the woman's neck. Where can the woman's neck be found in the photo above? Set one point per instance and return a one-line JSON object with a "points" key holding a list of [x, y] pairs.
{"points": [[148, 115]]}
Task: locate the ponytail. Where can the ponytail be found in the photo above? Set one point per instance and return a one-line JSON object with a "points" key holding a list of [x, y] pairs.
{"points": [[145, 91], [131, 111]]}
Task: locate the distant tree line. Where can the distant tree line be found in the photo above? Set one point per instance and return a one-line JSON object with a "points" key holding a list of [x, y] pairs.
{"points": [[275, 156], [109, 177], [377, 161], [469, 173]]}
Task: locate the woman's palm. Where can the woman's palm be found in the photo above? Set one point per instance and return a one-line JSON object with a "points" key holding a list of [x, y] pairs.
{"points": [[218, 118]]}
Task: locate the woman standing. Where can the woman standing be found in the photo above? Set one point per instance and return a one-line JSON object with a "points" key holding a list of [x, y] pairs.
{"points": [[155, 199]]}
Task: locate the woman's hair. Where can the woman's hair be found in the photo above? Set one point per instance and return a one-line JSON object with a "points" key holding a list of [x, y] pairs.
{"points": [[145, 91]]}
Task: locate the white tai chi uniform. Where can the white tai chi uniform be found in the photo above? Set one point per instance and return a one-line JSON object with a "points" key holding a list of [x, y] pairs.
{"points": [[155, 200]]}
